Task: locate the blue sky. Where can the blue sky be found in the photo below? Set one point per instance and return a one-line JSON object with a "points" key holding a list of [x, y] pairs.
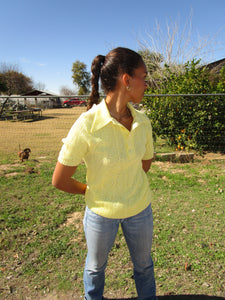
{"points": [[45, 37]]}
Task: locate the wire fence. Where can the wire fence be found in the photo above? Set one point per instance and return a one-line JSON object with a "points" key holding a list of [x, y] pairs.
{"points": [[184, 119], [85, 97], [40, 98]]}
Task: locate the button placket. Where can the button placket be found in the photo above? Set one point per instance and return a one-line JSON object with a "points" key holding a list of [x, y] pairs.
{"points": [[130, 148]]}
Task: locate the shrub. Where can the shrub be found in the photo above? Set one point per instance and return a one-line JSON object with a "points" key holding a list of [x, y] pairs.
{"points": [[189, 122]]}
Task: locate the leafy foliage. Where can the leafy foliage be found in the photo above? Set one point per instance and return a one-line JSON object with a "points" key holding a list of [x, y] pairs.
{"points": [[189, 122]]}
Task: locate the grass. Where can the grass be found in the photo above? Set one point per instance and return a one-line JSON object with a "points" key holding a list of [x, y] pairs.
{"points": [[189, 213], [43, 247]]}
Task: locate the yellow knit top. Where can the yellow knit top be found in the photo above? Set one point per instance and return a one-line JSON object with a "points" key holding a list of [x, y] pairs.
{"points": [[117, 186]]}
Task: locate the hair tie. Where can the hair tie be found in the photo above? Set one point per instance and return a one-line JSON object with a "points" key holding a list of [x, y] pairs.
{"points": [[102, 60]]}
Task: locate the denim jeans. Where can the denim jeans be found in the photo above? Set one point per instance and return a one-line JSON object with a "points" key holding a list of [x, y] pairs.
{"points": [[100, 235]]}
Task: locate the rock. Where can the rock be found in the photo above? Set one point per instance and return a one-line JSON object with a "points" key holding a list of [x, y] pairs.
{"points": [[186, 157], [168, 156]]}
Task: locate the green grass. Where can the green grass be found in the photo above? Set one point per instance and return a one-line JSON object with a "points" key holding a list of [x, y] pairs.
{"points": [[189, 227], [42, 249]]}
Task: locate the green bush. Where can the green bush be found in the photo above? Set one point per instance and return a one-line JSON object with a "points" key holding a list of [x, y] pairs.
{"points": [[189, 122]]}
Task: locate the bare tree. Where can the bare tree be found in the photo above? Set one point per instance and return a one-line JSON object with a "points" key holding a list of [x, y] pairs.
{"points": [[178, 45], [153, 62], [173, 45], [66, 91], [6, 67], [39, 86]]}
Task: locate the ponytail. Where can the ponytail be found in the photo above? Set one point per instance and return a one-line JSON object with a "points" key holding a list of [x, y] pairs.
{"points": [[96, 71], [118, 61]]}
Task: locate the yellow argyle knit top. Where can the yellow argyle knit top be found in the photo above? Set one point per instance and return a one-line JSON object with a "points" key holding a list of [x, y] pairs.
{"points": [[117, 186]]}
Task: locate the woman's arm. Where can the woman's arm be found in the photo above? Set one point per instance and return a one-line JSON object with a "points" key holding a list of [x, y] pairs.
{"points": [[62, 180], [146, 164]]}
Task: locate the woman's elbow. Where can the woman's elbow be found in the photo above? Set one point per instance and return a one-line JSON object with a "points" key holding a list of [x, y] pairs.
{"points": [[57, 179], [55, 182]]}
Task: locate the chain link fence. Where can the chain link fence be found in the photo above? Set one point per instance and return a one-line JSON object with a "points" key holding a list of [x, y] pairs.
{"points": [[187, 121]]}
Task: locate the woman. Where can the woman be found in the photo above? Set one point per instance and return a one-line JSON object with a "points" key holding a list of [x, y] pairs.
{"points": [[115, 142]]}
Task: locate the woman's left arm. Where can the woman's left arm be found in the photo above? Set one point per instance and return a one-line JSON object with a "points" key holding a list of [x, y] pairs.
{"points": [[146, 164], [62, 180]]}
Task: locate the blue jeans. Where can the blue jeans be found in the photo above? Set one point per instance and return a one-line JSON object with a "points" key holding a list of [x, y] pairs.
{"points": [[100, 235]]}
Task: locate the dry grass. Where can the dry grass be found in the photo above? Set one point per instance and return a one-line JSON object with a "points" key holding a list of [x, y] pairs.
{"points": [[43, 136]]}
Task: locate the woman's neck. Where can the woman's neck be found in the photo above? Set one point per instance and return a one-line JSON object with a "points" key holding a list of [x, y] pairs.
{"points": [[117, 106], [116, 103]]}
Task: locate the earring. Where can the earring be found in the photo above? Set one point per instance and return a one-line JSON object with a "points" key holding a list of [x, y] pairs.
{"points": [[128, 88]]}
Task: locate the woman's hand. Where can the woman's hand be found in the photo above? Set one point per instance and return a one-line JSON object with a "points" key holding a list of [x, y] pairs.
{"points": [[62, 180]]}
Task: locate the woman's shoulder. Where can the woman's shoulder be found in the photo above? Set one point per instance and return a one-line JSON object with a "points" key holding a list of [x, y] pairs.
{"points": [[86, 118], [90, 114], [141, 115]]}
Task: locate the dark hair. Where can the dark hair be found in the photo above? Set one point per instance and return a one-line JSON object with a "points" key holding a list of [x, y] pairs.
{"points": [[109, 67]]}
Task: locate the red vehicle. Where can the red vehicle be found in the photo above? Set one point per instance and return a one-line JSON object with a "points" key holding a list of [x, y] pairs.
{"points": [[74, 102]]}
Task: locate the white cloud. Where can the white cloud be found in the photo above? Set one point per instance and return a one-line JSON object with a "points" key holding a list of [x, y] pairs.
{"points": [[41, 64], [25, 60]]}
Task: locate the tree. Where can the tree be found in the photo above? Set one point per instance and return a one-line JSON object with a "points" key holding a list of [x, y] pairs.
{"points": [[178, 44], [81, 77], [3, 87], [13, 80], [153, 62], [5, 67], [16, 83], [39, 86], [66, 91]]}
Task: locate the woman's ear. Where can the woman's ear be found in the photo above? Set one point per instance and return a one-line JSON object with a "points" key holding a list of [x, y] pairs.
{"points": [[126, 79]]}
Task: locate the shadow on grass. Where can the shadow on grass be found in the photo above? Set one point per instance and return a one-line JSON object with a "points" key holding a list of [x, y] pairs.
{"points": [[26, 120], [177, 297]]}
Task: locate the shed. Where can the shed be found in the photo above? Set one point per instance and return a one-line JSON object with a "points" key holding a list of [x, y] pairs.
{"points": [[216, 65], [42, 99]]}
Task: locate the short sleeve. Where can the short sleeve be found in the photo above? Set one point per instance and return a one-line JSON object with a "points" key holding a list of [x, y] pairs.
{"points": [[75, 145], [149, 153]]}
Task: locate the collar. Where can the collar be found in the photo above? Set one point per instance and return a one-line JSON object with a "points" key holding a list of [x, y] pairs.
{"points": [[102, 116]]}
